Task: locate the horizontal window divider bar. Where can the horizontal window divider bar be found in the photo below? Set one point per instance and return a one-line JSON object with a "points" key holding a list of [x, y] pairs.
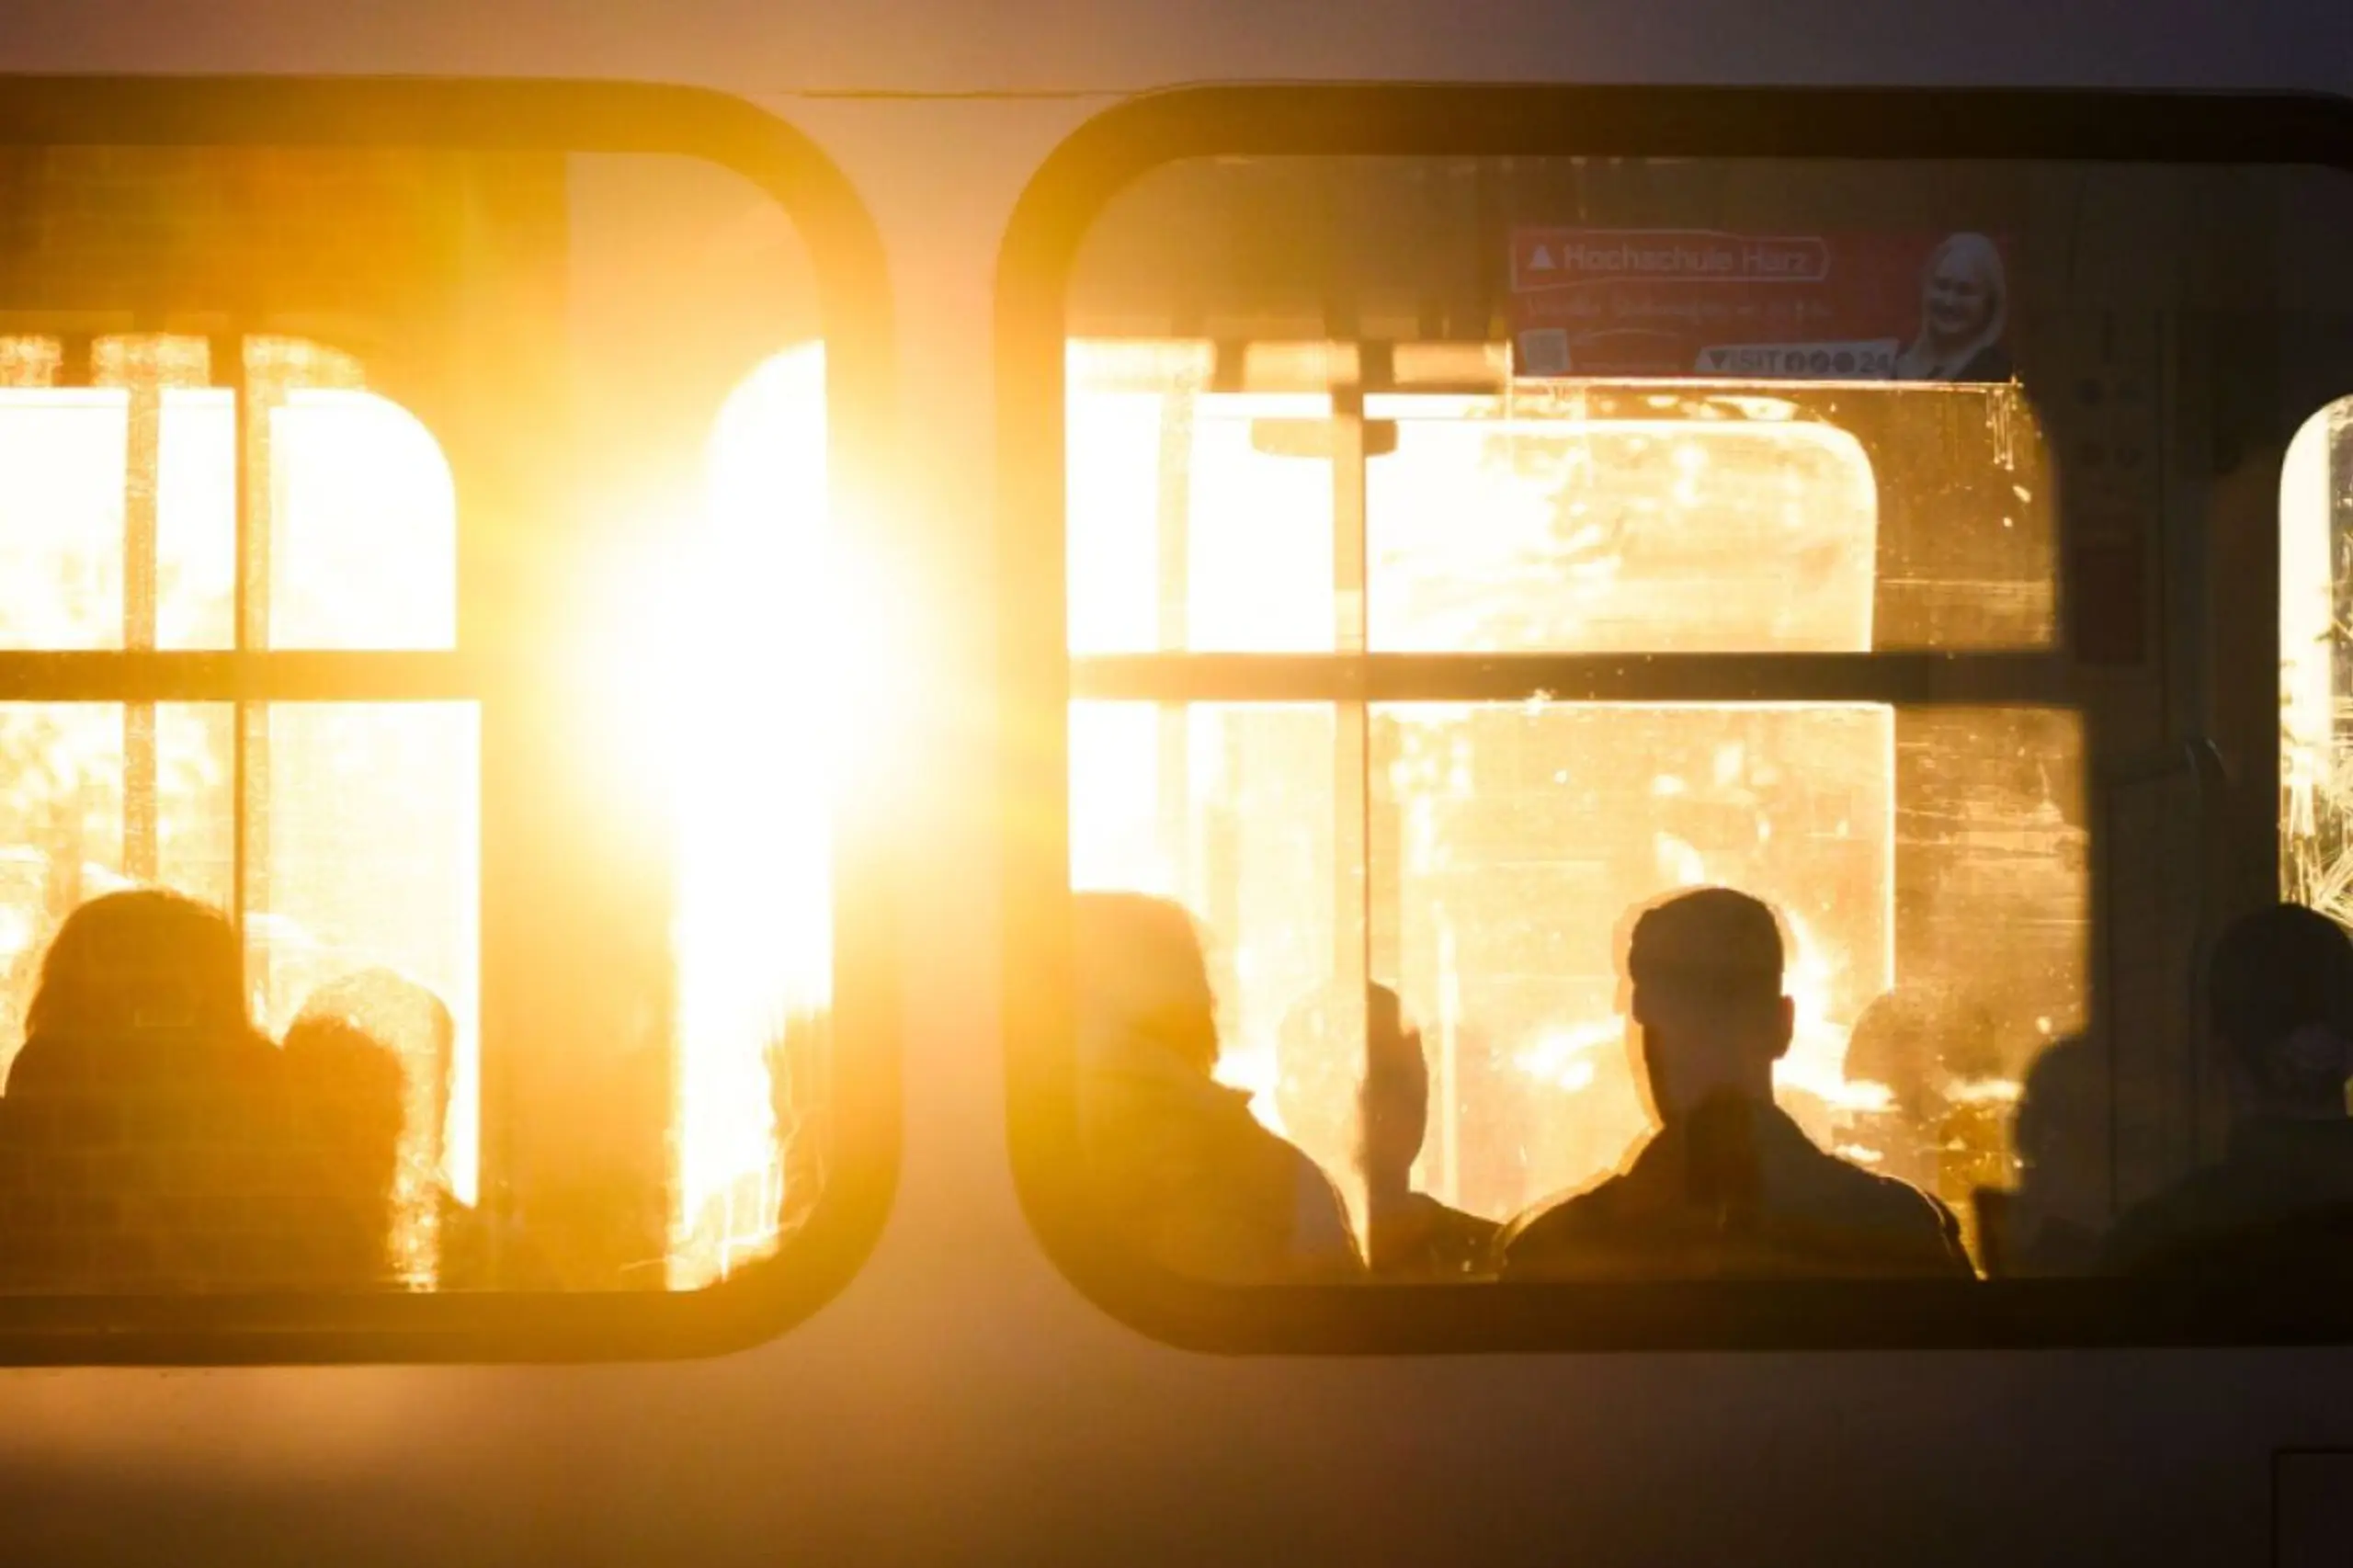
{"points": [[1934, 679], [227, 675]]}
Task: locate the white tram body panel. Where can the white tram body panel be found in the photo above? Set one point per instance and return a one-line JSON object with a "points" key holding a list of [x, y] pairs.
{"points": [[960, 1400]]}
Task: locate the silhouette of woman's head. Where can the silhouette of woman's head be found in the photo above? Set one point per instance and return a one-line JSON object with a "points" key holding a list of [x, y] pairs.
{"points": [[145, 960]]}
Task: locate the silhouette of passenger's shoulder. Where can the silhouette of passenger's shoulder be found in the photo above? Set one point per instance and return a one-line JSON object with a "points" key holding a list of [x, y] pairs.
{"points": [[2280, 1202], [1808, 1214], [145, 1119], [1177, 1161], [1202, 1186], [1435, 1241]]}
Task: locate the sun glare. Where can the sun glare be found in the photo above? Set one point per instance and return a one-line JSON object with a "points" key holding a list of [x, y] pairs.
{"points": [[761, 627]]}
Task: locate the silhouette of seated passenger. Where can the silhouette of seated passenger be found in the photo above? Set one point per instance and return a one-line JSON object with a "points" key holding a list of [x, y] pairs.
{"points": [[1379, 1121], [142, 1131], [348, 1094], [2049, 1225], [1175, 1160], [370, 1060], [1410, 1235], [1728, 1187], [2280, 999]]}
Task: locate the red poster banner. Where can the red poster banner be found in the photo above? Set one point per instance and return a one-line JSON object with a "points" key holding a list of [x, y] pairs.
{"points": [[1706, 304]]}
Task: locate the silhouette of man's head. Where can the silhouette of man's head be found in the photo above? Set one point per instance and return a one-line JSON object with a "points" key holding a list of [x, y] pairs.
{"points": [[144, 961], [1705, 974], [2281, 990], [1141, 973]]}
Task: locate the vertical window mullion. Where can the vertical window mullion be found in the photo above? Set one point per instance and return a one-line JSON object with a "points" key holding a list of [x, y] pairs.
{"points": [[1351, 737], [141, 529], [1351, 750], [231, 369]]}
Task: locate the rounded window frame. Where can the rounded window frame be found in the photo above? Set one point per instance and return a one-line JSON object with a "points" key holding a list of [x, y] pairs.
{"points": [[761, 1300], [1053, 217]]}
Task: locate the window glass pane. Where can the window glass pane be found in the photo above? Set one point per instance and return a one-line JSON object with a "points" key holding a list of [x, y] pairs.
{"points": [[753, 762], [195, 519], [1170, 489], [61, 518], [363, 495], [362, 890], [356, 491], [1592, 534]]}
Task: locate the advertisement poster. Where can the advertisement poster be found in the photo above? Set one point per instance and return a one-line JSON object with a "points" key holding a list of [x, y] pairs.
{"points": [[1706, 304]]}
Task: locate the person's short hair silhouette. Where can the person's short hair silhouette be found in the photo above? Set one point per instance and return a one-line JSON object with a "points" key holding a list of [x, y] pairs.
{"points": [[1728, 1185]]}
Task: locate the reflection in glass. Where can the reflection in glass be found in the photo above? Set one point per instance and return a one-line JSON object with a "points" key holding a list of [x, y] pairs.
{"points": [[1204, 521]]}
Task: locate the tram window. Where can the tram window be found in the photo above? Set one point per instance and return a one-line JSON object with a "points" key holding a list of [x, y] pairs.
{"points": [[1471, 560], [417, 827], [2315, 709]]}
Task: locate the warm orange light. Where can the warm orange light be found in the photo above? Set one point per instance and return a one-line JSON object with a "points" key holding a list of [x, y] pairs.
{"points": [[1495, 524], [366, 854], [764, 633]]}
